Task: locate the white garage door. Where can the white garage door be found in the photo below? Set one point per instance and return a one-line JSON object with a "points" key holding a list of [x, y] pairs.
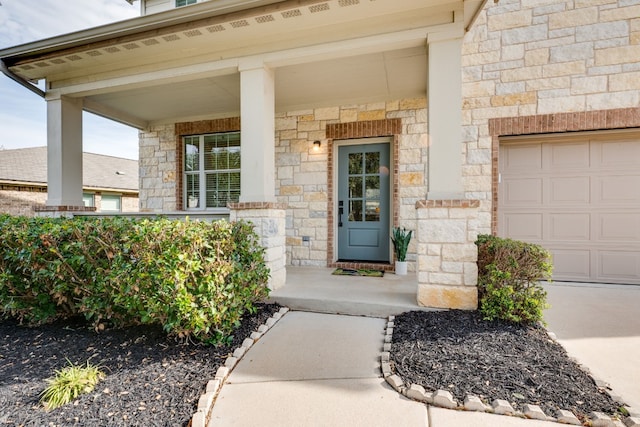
{"points": [[577, 196]]}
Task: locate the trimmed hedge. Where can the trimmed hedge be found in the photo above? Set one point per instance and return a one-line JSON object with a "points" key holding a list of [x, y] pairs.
{"points": [[509, 272], [194, 278]]}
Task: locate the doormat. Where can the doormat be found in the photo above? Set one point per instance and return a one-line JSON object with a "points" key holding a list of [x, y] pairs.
{"points": [[359, 272]]}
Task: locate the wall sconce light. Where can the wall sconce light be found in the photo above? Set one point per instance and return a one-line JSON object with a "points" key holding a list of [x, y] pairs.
{"points": [[316, 145]]}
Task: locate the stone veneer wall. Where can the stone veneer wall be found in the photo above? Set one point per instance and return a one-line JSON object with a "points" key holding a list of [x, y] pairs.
{"points": [[447, 254], [269, 223], [531, 59], [158, 169], [303, 178]]}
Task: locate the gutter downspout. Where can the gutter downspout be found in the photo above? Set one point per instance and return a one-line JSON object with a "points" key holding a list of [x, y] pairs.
{"points": [[16, 78]]}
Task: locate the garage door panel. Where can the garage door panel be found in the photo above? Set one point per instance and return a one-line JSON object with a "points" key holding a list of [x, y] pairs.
{"points": [[523, 158], [573, 189], [523, 226], [571, 264], [618, 266], [618, 227], [569, 227], [569, 155], [523, 191], [618, 189], [615, 154]]}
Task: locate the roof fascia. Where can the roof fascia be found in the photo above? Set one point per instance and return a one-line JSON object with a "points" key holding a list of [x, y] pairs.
{"points": [[128, 27], [16, 78]]}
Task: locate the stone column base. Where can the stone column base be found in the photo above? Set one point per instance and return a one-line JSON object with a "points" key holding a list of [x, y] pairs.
{"points": [[447, 254], [445, 296], [269, 223]]}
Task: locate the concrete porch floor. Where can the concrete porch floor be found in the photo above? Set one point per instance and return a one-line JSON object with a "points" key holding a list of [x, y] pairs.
{"points": [[316, 289]]}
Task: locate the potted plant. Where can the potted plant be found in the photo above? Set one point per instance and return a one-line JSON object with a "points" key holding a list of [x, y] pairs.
{"points": [[401, 238]]}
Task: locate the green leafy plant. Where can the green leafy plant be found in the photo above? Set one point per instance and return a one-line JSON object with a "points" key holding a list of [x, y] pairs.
{"points": [[69, 383], [401, 238], [509, 274], [194, 278]]}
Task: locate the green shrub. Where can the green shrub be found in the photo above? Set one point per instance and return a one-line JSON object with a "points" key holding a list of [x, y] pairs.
{"points": [[509, 272], [194, 278]]}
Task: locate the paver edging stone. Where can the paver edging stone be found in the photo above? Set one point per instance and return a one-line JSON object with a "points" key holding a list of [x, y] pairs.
{"points": [[207, 400], [444, 399]]}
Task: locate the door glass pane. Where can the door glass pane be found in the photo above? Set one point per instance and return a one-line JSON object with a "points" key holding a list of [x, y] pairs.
{"points": [[372, 213], [355, 186], [373, 187], [355, 210], [373, 162], [355, 163]]}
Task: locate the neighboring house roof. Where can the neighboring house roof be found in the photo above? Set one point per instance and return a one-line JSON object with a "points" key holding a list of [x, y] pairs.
{"points": [[29, 165]]}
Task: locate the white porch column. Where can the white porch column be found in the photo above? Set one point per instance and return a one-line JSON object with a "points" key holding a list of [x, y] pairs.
{"points": [[444, 94], [257, 133], [64, 152]]}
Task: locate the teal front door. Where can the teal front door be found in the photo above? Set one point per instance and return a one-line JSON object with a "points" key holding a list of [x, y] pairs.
{"points": [[363, 202]]}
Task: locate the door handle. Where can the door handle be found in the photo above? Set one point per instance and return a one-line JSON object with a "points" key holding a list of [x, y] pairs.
{"points": [[340, 212]]}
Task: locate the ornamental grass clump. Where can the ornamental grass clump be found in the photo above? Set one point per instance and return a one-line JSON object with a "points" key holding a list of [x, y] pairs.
{"points": [[70, 382], [509, 275]]}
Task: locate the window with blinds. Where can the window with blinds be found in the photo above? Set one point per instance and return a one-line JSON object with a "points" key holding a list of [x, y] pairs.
{"points": [[211, 170]]}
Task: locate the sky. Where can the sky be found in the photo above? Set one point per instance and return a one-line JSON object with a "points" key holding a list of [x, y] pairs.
{"points": [[23, 119]]}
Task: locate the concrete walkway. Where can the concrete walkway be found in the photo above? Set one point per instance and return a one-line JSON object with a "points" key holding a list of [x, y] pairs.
{"points": [[316, 369]]}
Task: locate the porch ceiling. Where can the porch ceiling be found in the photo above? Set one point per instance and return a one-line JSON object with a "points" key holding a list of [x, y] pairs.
{"points": [[184, 64], [358, 79]]}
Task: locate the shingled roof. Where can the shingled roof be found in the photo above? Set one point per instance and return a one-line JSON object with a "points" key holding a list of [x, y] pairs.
{"points": [[29, 166]]}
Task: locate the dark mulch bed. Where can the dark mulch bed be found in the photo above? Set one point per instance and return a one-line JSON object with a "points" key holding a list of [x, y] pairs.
{"points": [[151, 380], [459, 352]]}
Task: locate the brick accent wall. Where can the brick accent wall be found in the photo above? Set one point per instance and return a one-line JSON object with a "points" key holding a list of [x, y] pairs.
{"points": [[22, 201], [130, 203], [536, 66]]}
